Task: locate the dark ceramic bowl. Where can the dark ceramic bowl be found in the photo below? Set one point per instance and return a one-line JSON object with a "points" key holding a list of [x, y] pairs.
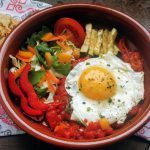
{"points": [[84, 13]]}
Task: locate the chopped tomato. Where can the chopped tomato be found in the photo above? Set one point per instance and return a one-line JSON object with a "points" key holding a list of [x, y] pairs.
{"points": [[72, 29], [90, 135], [53, 118], [61, 91], [93, 126], [109, 131]]}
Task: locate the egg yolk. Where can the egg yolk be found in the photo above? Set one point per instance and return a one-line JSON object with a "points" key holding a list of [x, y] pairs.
{"points": [[97, 83]]}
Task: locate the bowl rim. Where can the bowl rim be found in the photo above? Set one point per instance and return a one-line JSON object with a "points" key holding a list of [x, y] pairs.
{"points": [[66, 142]]}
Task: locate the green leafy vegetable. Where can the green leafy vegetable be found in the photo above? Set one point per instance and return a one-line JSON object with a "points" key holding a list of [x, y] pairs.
{"points": [[40, 58], [35, 76], [35, 61], [43, 47], [41, 92], [61, 67], [37, 36]]}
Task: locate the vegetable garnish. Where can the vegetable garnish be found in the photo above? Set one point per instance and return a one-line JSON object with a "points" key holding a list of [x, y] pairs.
{"points": [[51, 76], [51, 87], [35, 76], [26, 60], [51, 37], [48, 58], [25, 54], [37, 36], [31, 49], [28, 89], [24, 102], [72, 29], [18, 72], [63, 68]]}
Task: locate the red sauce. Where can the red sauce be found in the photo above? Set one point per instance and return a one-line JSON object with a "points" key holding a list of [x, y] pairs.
{"points": [[61, 125]]}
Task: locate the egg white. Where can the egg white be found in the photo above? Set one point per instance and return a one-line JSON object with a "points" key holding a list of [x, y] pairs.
{"points": [[130, 91]]}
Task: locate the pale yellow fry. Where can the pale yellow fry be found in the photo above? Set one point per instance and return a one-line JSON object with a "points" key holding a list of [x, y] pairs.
{"points": [[116, 50], [98, 42], [92, 42], [85, 46], [112, 38], [105, 41]]}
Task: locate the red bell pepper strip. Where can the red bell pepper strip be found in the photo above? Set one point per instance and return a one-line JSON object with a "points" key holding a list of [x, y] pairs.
{"points": [[30, 111], [28, 89], [17, 92]]}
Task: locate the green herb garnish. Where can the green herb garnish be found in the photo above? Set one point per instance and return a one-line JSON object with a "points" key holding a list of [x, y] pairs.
{"points": [[87, 63]]}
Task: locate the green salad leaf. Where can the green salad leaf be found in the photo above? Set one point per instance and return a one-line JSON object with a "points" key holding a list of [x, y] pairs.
{"points": [[63, 68], [35, 76], [43, 47], [41, 92], [37, 36], [40, 58]]}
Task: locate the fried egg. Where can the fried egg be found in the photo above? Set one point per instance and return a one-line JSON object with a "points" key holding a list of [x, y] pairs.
{"points": [[104, 87]]}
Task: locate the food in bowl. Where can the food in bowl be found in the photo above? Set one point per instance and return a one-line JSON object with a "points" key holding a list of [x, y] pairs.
{"points": [[82, 84], [7, 23]]}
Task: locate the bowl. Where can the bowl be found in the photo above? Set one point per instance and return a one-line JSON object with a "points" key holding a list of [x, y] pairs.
{"points": [[100, 15]]}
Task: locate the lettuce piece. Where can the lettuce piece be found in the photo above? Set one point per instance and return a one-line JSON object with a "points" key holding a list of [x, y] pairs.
{"points": [[37, 36], [63, 68], [41, 92], [35, 76], [44, 47]]}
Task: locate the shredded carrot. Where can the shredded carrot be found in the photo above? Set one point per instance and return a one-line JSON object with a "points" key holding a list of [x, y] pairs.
{"points": [[19, 71], [50, 37], [63, 46], [23, 59], [47, 36], [52, 77], [48, 58], [43, 79], [31, 49], [54, 38], [63, 38], [25, 54], [51, 87]]}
